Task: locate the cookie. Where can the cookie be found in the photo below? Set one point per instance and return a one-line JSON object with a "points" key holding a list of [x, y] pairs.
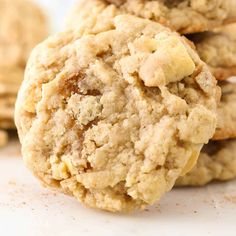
{"points": [[226, 114], [217, 161], [115, 117], [186, 16], [3, 138], [10, 80], [23, 25], [7, 124], [7, 107], [218, 50]]}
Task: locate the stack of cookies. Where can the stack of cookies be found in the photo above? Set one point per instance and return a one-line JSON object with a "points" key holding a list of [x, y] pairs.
{"points": [[18, 35], [120, 107]]}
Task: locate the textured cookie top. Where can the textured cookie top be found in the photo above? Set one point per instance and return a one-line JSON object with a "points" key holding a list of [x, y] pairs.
{"points": [[186, 16], [226, 117], [217, 161], [218, 50], [115, 117], [22, 26]]}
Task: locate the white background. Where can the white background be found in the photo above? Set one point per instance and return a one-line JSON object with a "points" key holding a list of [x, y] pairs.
{"points": [[56, 11], [28, 209]]}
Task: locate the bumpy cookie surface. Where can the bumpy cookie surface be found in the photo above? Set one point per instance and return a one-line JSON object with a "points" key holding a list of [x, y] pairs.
{"points": [[226, 114], [22, 26], [186, 16], [114, 118], [217, 161], [218, 50]]}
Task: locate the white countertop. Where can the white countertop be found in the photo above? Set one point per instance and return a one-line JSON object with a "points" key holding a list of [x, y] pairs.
{"points": [[28, 209]]}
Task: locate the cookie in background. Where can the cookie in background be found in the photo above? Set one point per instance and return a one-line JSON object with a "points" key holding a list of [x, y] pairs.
{"points": [[187, 16], [217, 160], [22, 26], [196, 19], [226, 112], [218, 49], [3, 138]]}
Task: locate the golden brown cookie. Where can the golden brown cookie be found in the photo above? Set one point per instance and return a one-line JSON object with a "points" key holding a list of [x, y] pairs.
{"points": [[22, 26], [7, 104], [3, 138], [218, 50], [115, 117], [7, 124], [10, 80], [186, 16], [217, 161], [226, 114]]}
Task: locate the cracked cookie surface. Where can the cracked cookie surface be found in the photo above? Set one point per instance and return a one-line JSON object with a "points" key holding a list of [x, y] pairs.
{"points": [[217, 161], [218, 50], [115, 117], [186, 16]]}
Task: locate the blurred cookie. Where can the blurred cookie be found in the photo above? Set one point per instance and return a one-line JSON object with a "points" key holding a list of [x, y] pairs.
{"points": [[22, 26], [217, 161], [115, 117], [226, 114], [7, 124], [10, 80], [218, 50], [186, 16], [3, 138], [7, 104]]}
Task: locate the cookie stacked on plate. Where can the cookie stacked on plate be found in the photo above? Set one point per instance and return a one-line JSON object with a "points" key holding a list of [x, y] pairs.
{"points": [[22, 26], [116, 109], [218, 49], [218, 158]]}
